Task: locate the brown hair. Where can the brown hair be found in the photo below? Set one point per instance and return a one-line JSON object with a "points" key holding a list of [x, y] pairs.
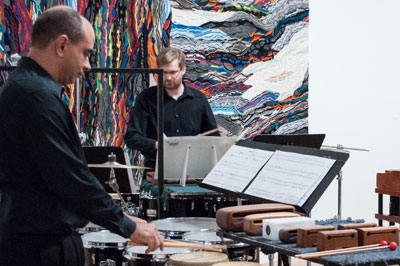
{"points": [[168, 55], [55, 22]]}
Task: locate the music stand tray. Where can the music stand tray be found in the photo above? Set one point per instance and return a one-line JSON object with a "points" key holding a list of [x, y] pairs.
{"points": [[308, 140]]}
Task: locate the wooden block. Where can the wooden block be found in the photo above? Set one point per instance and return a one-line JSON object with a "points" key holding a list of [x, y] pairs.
{"points": [[390, 180], [307, 236], [355, 226], [252, 224], [231, 218], [374, 235], [288, 235], [328, 240]]}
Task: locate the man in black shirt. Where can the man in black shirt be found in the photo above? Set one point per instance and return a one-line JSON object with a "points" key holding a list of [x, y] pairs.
{"points": [[186, 110], [46, 188]]}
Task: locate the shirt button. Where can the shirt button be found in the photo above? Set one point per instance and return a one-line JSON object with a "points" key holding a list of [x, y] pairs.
{"points": [[177, 131], [176, 115]]}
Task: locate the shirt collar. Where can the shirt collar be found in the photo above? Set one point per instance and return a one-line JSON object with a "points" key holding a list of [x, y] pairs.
{"points": [[29, 63], [186, 93]]}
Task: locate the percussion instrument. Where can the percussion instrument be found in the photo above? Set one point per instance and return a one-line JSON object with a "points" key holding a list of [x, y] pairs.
{"points": [[184, 205], [174, 228], [374, 235], [253, 223], [136, 256], [355, 225], [271, 227], [103, 248], [307, 236], [236, 251], [238, 263], [116, 165], [328, 240], [89, 228], [231, 218], [197, 259]]}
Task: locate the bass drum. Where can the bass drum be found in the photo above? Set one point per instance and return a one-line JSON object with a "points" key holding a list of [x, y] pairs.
{"points": [[136, 256], [237, 251], [174, 228]]}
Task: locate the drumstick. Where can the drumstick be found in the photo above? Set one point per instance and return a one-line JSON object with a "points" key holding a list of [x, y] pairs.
{"points": [[179, 244], [340, 251], [208, 132]]}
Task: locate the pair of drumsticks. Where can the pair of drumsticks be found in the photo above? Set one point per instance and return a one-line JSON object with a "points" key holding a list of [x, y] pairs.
{"points": [[181, 244], [382, 245]]}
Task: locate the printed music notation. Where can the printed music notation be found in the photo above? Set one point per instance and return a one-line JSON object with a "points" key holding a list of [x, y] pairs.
{"points": [[290, 177], [237, 168], [280, 176]]}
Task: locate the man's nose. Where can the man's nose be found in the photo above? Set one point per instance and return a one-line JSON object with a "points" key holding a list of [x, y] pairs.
{"points": [[86, 66]]}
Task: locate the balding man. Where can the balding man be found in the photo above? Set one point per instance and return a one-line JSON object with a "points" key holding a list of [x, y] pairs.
{"points": [[46, 188]]}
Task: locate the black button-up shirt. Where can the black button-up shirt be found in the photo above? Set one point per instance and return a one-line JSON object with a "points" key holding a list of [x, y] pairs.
{"points": [[189, 115], [45, 184]]}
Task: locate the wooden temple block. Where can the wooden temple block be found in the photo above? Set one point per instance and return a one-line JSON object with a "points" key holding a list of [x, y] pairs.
{"points": [[390, 180], [307, 236], [328, 240], [253, 223], [231, 218], [355, 226], [288, 235], [273, 227], [374, 235]]}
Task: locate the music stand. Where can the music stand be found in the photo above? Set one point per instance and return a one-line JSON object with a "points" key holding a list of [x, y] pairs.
{"points": [[192, 157], [308, 140], [99, 155]]}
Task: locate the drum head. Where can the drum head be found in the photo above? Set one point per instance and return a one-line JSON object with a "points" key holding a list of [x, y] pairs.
{"points": [[103, 239], [197, 258], [206, 236], [185, 224]]}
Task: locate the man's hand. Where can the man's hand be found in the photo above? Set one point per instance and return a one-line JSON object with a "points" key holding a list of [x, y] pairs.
{"points": [[156, 145], [147, 234]]}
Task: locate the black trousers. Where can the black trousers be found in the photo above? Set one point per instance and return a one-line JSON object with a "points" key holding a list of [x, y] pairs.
{"points": [[41, 250]]}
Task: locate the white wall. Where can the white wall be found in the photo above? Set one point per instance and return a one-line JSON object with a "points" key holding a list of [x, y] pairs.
{"points": [[354, 95]]}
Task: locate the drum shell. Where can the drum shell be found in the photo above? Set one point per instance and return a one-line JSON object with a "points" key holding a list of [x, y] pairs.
{"points": [[236, 251], [135, 256]]}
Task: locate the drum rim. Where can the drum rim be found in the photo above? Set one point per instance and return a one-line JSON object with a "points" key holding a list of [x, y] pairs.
{"points": [[106, 245], [222, 242]]}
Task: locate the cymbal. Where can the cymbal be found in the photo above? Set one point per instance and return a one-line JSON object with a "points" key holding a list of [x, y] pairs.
{"points": [[116, 165]]}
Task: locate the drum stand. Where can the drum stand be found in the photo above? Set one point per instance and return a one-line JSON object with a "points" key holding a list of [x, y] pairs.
{"points": [[112, 182]]}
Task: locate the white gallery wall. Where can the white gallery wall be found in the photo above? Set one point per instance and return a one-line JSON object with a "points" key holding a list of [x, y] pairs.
{"points": [[354, 96]]}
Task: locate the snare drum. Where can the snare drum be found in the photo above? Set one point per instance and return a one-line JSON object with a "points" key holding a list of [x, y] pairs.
{"points": [[136, 256], [197, 258], [104, 248], [174, 228], [236, 251]]}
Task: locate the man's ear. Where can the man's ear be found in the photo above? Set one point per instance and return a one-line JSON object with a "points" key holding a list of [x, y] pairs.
{"points": [[60, 45]]}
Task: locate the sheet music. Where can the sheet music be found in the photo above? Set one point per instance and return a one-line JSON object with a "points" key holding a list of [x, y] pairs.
{"points": [[237, 167], [290, 177]]}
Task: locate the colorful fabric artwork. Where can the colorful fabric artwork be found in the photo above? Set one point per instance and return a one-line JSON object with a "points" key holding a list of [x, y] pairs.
{"points": [[250, 58]]}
